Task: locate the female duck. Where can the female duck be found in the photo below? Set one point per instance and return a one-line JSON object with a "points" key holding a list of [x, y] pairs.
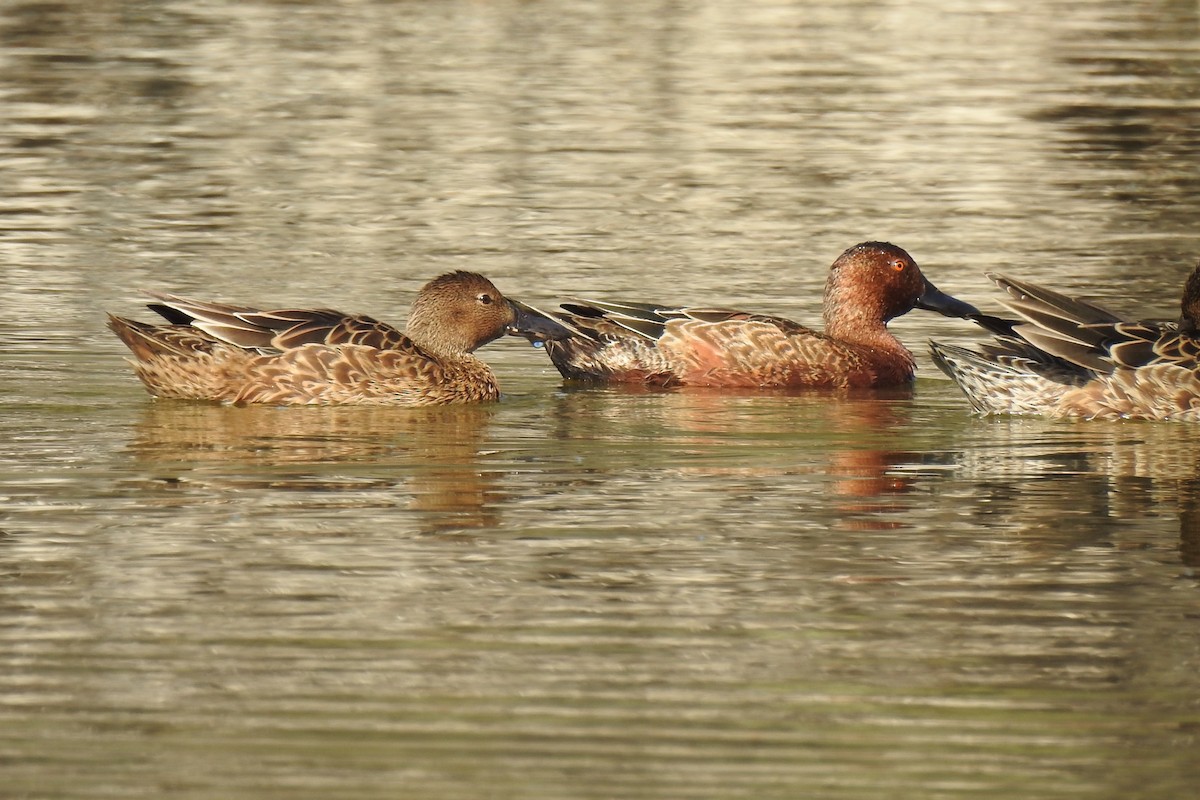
{"points": [[1067, 357], [644, 343], [239, 354]]}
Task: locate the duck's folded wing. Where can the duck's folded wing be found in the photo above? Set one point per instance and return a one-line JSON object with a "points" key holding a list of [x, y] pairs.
{"points": [[650, 320], [297, 327], [1063, 326], [599, 319], [1147, 343], [276, 330]]}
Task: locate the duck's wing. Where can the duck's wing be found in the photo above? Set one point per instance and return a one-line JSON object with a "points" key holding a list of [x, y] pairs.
{"points": [[276, 330], [1066, 327], [1148, 343], [650, 320], [1090, 335]]}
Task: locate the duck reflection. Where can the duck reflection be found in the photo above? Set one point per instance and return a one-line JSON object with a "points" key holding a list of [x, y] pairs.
{"points": [[867, 480], [845, 439], [1082, 481], [354, 457], [1150, 469], [1189, 525]]}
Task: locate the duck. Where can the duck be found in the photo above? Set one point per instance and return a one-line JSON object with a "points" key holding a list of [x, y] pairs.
{"points": [[660, 345], [243, 355], [1067, 357]]}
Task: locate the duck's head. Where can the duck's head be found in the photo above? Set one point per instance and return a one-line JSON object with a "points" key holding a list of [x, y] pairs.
{"points": [[878, 281], [461, 311]]}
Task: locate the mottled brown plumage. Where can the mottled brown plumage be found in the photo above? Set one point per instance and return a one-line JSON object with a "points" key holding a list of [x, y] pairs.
{"points": [[239, 354], [868, 285], [1067, 357]]}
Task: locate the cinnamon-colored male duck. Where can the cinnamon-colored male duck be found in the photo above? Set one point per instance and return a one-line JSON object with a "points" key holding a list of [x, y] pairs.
{"points": [[239, 354], [644, 343], [1068, 357]]}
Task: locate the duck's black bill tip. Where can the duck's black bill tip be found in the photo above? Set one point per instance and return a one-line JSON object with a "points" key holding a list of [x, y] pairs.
{"points": [[934, 299], [535, 325]]}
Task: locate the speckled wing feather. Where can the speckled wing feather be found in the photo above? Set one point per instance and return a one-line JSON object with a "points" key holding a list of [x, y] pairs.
{"points": [[647, 320], [1140, 344], [650, 319], [1058, 324], [299, 327], [276, 330], [1174, 346], [606, 350]]}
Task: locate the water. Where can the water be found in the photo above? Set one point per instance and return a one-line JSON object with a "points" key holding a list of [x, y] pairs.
{"points": [[588, 593]]}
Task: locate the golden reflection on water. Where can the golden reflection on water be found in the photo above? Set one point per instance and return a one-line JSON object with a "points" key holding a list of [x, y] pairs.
{"points": [[435, 452], [1088, 480], [1189, 525]]}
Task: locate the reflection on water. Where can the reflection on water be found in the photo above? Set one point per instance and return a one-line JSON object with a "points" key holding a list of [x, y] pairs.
{"points": [[211, 447], [588, 592], [1189, 523], [767, 585]]}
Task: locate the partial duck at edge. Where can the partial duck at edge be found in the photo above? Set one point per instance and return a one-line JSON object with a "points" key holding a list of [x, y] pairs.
{"points": [[1068, 357]]}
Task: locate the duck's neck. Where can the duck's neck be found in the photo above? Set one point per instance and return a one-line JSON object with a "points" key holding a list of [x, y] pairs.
{"points": [[432, 338], [856, 324], [866, 330]]}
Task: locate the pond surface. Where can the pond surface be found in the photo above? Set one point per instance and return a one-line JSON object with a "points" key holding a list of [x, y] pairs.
{"points": [[589, 593]]}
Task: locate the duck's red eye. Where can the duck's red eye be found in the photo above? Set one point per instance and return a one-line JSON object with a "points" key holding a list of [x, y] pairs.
{"points": [[898, 265]]}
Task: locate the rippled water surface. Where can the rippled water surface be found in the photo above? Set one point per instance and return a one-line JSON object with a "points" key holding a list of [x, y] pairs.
{"points": [[588, 593]]}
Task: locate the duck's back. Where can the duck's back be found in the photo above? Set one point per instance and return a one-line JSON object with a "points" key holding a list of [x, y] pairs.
{"points": [[718, 348]]}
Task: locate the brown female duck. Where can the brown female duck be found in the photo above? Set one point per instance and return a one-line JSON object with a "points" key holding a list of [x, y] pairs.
{"points": [[644, 343], [1067, 357], [239, 354]]}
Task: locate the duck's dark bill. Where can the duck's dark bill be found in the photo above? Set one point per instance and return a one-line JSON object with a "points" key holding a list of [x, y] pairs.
{"points": [[934, 299], [535, 325]]}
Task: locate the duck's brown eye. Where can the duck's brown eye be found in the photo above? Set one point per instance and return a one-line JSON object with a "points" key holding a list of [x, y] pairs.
{"points": [[485, 298], [898, 265]]}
